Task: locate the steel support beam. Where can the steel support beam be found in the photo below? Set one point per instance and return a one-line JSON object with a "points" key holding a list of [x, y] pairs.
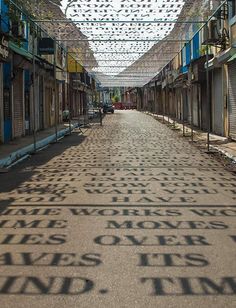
{"points": [[158, 21], [125, 52], [122, 40]]}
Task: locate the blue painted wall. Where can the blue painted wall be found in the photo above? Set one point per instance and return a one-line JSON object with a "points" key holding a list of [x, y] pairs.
{"points": [[190, 52], [5, 26], [4, 17], [196, 47], [186, 57]]}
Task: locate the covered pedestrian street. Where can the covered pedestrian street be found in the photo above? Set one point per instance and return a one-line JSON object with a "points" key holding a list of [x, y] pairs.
{"points": [[116, 186]]}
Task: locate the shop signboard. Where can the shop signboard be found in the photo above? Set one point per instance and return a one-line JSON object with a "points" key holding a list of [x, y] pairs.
{"points": [[4, 47], [46, 46]]}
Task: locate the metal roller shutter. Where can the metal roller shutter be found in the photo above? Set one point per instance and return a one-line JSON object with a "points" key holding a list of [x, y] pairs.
{"points": [[195, 103], [217, 102], [232, 99], [1, 105], [204, 109], [18, 110], [41, 103], [48, 99]]}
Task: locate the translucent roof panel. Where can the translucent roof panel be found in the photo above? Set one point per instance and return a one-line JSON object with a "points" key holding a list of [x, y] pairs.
{"points": [[120, 32]]}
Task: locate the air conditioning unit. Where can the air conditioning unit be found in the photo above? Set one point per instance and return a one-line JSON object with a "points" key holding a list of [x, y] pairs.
{"points": [[211, 34], [23, 29], [19, 29]]}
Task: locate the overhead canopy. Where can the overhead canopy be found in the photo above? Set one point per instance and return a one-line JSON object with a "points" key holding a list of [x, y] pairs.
{"points": [[131, 40]]}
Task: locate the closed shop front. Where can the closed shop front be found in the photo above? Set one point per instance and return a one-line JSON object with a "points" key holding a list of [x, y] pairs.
{"points": [[60, 101], [178, 98], [151, 99], [145, 99], [5, 100], [188, 107], [204, 107], [4, 58], [41, 103], [200, 107], [18, 103], [48, 103], [74, 107], [82, 97], [159, 107], [77, 103], [217, 102], [28, 124], [232, 99], [1, 105], [7, 107], [195, 101], [172, 102], [185, 104], [71, 101], [164, 101]]}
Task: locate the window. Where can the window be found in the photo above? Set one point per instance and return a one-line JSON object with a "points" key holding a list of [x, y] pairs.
{"points": [[233, 8]]}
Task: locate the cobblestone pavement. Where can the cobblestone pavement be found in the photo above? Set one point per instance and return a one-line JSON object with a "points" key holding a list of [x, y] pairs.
{"points": [[127, 215]]}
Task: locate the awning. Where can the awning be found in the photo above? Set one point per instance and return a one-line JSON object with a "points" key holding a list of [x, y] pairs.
{"points": [[74, 66], [20, 51], [232, 58], [44, 63], [213, 63], [226, 55], [180, 80]]}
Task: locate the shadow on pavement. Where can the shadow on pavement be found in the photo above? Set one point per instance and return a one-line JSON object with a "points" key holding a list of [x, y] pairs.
{"points": [[28, 168]]}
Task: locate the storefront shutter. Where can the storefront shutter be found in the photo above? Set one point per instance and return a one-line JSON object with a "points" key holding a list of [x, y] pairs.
{"points": [[217, 102], [18, 115], [232, 99]]}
